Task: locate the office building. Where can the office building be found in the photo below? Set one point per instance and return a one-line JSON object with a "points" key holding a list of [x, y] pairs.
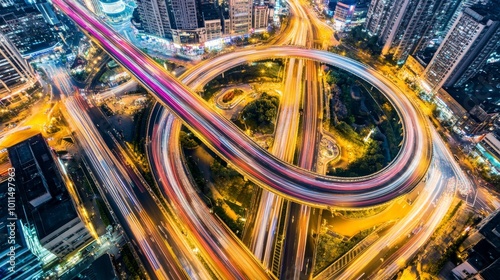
{"points": [[466, 48], [50, 223], [240, 17], [26, 28], [14, 69], [344, 13], [260, 16], [180, 21]]}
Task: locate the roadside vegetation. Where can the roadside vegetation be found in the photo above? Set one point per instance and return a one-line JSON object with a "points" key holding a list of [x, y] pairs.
{"points": [[363, 123], [260, 115], [226, 193], [262, 71], [131, 264], [331, 247]]}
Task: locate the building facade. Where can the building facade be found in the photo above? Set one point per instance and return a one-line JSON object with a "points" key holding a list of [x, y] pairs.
{"points": [[154, 18], [399, 24], [14, 69], [465, 49], [260, 16], [180, 21], [240, 17], [344, 14]]}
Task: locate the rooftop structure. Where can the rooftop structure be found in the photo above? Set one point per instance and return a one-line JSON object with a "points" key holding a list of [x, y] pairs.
{"points": [[49, 218]]}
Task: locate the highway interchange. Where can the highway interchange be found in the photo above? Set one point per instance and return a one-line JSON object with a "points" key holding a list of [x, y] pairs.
{"points": [[221, 254], [246, 156]]}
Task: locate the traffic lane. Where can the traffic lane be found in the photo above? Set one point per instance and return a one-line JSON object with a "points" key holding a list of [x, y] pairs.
{"points": [[148, 204], [223, 248], [290, 187], [144, 232]]}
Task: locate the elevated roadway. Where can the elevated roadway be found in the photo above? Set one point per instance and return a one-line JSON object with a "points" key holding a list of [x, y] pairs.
{"points": [[247, 157]]}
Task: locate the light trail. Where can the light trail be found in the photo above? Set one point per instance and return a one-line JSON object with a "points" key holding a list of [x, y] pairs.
{"points": [[428, 210], [248, 158], [164, 262], [215, 241]]}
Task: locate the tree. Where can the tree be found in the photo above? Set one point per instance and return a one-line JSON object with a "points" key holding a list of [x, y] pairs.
{"points": [[261, 113], [187, 140]]}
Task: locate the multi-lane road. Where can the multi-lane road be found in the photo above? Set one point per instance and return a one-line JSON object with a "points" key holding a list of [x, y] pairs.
{"points": [[165, 247], [218, 243], [225, 254], [246, 156]]}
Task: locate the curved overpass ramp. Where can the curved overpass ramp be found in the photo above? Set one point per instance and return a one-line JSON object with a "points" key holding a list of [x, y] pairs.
{"points": [[245, 155]]}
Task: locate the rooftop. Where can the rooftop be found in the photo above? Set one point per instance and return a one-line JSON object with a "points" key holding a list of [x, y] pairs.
{"points": [[100, 269], [491, 231], [491, 272], [483, 255], [53, 215], [209, 11], [42, 192]]}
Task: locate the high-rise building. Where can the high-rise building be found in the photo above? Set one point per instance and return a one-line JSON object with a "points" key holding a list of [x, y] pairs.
{"points": [[26, 28], [50, 223], [178, 20], [466, 48], [26, 265], [260, 16], [378, 16], [344, 13], [154, 18], [399, 24], [14, 70], [240, 16], [445, 14]]}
